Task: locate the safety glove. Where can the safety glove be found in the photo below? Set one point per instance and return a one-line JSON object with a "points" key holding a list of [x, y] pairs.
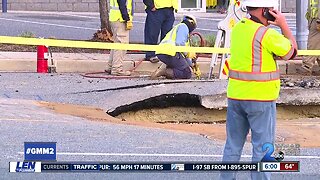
{"points": [[196, 68], [129, 25]]}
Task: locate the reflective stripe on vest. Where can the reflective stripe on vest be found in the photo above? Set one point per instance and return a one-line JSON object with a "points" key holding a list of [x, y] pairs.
{"points": [[225, 69], [248, 76], [256, 73]]}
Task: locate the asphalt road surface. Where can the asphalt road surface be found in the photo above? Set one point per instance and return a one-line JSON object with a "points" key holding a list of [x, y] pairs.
{"points": [[82, 26], [80, 139]]}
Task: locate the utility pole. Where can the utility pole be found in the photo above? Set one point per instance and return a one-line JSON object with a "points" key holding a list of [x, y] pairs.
{"points": [[4, 6], [302, 24]]}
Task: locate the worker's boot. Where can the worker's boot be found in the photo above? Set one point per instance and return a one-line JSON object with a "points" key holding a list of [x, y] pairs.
{"points": [[161, 71], [169, 73], [304, 70], [154, 59], [107, 70], [117, 64], [120, 72]]}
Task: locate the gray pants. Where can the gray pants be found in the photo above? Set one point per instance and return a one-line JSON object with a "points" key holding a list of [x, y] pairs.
{"points": [[242, 116], [313, 44], [120, 35]]}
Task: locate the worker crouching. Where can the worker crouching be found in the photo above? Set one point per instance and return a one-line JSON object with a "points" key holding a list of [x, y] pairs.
{"points": [[176, 65]]}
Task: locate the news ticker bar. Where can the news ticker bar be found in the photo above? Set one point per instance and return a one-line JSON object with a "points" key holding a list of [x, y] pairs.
{"points": [[149, 167]]}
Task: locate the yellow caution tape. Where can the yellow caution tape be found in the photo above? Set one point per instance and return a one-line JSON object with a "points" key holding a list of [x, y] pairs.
{"points": [[103, 45], [309, 52]]}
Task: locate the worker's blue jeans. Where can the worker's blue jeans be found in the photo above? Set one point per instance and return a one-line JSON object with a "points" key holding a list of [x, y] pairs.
{"points": [[179, 65], [159, 21], [258, 116]]}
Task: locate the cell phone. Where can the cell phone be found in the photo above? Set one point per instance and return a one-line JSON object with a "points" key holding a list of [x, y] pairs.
{"points": [[268, 15]]}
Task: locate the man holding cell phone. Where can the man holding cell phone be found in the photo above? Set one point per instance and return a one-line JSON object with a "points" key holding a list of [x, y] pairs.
{"points": [[254, 81]]}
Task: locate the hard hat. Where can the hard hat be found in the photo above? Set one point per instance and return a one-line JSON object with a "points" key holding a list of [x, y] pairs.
{"points": [[260, 3], [192, 19]]}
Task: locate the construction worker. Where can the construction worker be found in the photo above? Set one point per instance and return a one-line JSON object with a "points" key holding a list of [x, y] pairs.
{"points": [[254, 81], [176, 65], [160, 19], [313, 17], [211, 3], [120, 17]]}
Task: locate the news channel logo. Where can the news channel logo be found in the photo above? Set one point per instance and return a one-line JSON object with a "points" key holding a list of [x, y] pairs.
{"points": [[40, 151], [177, 167], [270, 155], [29, 167]]}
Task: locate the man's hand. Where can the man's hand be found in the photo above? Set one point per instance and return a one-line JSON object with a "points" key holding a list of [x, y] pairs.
{"points": [[129, 25], [280, 19], [154, 9]]}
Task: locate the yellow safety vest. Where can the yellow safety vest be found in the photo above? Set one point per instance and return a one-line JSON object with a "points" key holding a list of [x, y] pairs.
{"points": [[166, 3], [115, 14], [167, 45], [253, 73], [312, 9]]}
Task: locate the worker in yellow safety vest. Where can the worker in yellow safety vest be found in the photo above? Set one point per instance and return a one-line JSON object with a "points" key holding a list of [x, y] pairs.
{"points": [[159, 21], [120, 17], [254, 81], [313, 17], [176, 65]]}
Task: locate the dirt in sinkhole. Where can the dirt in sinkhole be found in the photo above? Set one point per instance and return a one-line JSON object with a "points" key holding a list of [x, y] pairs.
{"points": [[295, 124]]}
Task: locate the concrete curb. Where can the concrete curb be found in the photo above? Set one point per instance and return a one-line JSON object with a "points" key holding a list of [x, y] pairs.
{"points": [[296, 97], [87, 64]]}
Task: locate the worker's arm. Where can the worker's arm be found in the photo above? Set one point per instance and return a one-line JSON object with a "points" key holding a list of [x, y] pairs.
{"points": [[282, 23], [182, 39], [182, 35], [123, 9], [149, 3], [277, 44]]}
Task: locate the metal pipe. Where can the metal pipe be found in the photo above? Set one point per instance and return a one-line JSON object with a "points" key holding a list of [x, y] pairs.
{"points": [[302, 24], [4, 6]]}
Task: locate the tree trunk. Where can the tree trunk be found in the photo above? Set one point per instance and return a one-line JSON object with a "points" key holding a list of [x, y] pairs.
{"points": [[104, 14], [105, 34]]}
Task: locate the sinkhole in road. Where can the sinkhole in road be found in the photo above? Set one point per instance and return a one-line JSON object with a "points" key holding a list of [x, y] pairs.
{"points": [[186, 108]]}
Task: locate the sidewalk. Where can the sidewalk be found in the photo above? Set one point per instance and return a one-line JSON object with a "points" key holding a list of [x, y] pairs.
{"points": [[82, 62], [95, 62]]}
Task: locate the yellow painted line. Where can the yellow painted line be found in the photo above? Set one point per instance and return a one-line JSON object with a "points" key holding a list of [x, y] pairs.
{"points": [[102, 45]]}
